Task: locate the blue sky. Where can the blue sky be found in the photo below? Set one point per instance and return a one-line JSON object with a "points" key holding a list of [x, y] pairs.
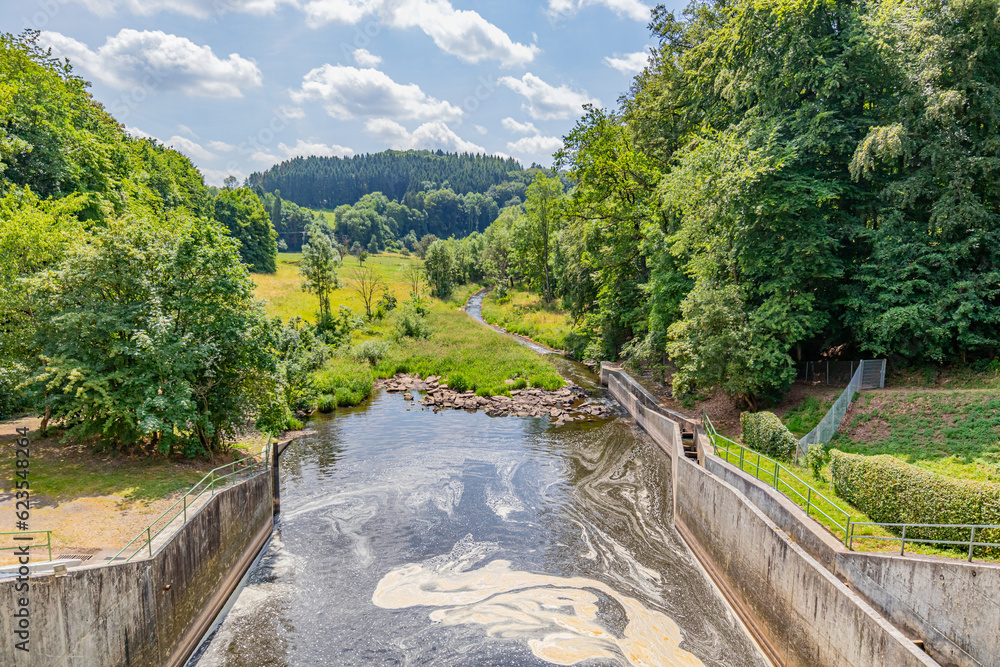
{"points": [[239, 85]]}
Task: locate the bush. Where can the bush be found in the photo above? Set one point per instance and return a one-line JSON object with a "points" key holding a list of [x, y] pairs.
{"points": [[815, 458], [457, 382], [326, 403], [348, 381], [371, 351], [293, 424], [408, 323], [891, 491], [763, 432]]}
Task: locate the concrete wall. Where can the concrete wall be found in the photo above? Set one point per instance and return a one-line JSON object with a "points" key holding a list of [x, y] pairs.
{"points": [[151, 611], [953, 606], [791, 601], [804, 614]]}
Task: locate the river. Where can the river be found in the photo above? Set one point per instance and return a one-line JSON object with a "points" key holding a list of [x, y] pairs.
{"points": [[413, 538]]}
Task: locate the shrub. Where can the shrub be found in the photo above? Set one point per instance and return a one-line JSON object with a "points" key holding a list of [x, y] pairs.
{"points": [[327, 403], [764, 432], [293, 424], [457, 382], [815, 458], [892, 491], [408, 323], [371, 351], [349, 381]]}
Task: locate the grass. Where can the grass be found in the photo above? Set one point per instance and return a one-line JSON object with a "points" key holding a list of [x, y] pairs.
{"points": [[832, 511], [804, 418], [465, 353], [468, 355], [282, 290], [72, 470], [527, 314], [954, 433]]}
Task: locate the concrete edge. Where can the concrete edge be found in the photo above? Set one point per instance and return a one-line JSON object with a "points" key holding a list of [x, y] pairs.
{"points": [[196, 631]]}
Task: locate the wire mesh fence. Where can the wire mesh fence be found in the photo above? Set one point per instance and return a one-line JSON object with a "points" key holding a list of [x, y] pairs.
{"points": [[869, 374]]}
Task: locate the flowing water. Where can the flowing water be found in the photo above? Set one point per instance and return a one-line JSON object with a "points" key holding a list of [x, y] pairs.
{"points": [[456, 539]]}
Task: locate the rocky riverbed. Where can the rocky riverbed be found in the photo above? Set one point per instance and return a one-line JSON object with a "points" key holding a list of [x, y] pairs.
{"points": [[570, 403]]}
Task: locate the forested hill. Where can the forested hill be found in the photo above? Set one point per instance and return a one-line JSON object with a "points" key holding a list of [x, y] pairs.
{"points": [[328, 182]]}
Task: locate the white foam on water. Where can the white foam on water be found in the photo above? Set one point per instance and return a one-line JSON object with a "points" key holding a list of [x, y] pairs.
{"points": [[556, 616]]}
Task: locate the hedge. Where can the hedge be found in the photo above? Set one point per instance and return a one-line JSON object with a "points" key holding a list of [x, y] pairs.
{"points": [[892, 491], [764, 432]]}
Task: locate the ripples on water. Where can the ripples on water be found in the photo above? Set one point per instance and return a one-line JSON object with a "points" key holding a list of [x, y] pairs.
{"points": [[413, 538]]}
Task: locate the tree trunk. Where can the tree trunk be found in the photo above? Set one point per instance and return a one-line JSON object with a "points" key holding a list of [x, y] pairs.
{"points": [[44, 430]]}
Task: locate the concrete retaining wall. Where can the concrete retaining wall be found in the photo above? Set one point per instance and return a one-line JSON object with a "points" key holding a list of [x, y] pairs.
{"points": [[790, 599], [151, 611]]}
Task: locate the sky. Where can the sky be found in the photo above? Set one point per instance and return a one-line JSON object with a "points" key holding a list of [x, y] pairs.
{"points": [[241, 85]]}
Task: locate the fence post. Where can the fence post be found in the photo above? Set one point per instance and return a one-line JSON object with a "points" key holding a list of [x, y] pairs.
{"points": [[149, 541], [776, 469], [972, 540], [185, 508], [902, 541], [48, 538], [743, 451], [809, 496]]}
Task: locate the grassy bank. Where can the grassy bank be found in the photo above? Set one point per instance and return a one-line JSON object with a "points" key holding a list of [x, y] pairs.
{"points": [[466, 354], [954, 433], [528, 315]]}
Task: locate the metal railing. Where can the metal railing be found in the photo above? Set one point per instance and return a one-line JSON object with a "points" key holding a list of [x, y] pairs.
{"points": [[780, 478], [901, 528], [215, 480], [21, 536]]}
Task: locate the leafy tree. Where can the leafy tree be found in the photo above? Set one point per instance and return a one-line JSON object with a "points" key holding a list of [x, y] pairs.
{"points": [[319, 272], [150, 333], [536, 233], [373, 246], [439, 267], [425, 243], [244, 216]]}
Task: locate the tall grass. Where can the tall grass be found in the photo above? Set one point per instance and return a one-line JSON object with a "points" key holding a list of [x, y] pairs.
{"points": [[528, 315]]}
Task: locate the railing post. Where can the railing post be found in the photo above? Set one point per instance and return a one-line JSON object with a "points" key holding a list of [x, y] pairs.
{"points": [[48, 538], [850, 534], [809, 496], [185, 508], [149, 542], [972, 540], [776, 469], [743, 451], [902, 541]]}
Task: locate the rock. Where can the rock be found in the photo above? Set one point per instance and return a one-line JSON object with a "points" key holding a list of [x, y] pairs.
{"points": [[407, 396], [555, 412]]}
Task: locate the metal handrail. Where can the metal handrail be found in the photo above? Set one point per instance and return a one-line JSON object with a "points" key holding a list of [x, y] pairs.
{"points": [[213, 477], [22, 533], [776, 475], [972, 544]]}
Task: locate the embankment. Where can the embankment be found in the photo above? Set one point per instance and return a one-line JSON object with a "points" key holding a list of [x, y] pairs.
{"points": [[807, 599]]}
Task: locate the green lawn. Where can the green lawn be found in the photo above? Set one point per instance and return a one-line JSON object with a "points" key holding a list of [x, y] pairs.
{"points": [[954, 433], [804, 418]]}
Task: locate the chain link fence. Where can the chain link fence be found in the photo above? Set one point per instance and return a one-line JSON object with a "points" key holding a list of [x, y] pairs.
{"points": [[869, 374]]}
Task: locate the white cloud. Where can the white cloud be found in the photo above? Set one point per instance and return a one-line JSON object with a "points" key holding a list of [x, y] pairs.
{"points": [[480, 129], [221, 146], [512, 125], [151, 59], [196, 8], [321, 12], [433, 135], [458, 32], [366, 58], [546, 102], [291, 113], [462, 33], [301, 148], [633, 9], [136, 132], [188, 147], [184, 129], [628, 63], [349, 92], [536, 145]]}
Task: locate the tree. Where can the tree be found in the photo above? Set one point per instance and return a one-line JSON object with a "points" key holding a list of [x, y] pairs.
{"points": [[367, 282], [244, 216], [423, 244], [414, 275], [319, 272], [544, 211], [373, 246], [150, 335], [439, 267]]}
